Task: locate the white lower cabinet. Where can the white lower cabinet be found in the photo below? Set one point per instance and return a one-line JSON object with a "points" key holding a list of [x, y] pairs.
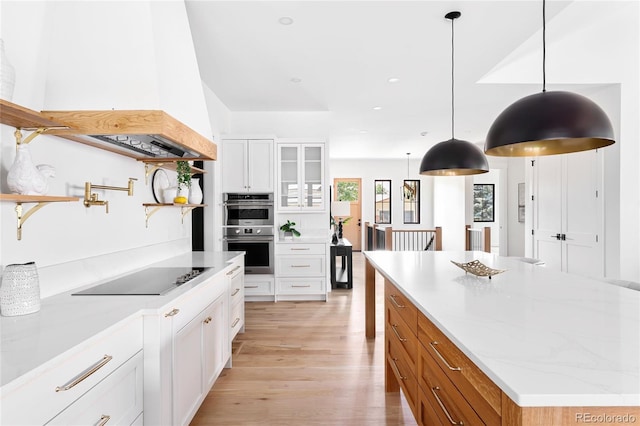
{"points": [[103, 376], [188, 344], [236, 300], [116, 400], [301, 271], [199, 350], [259, 288]]}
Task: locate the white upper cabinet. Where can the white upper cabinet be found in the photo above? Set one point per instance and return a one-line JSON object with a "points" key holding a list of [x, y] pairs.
{"points": [[301, 177], [247, 165]]}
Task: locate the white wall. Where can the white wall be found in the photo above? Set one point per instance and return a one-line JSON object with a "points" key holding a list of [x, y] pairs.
{"points": [[96, 55]]}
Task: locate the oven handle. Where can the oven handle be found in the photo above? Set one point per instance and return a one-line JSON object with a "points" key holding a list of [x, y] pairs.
{"points": [[257, 204], [247, 240]]}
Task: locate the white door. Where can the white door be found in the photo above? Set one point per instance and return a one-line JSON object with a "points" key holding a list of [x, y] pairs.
{"points": [[583, 247], [568, 213], [547, 214]]}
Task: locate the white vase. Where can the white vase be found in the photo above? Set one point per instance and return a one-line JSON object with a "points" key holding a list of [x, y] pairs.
{"points": [[25, 178], [169, 194], [195, 192], [7, 75], [20, 290]]}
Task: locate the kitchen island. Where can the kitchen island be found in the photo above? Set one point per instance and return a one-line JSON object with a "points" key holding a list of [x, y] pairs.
{"points": [[557, 347]]}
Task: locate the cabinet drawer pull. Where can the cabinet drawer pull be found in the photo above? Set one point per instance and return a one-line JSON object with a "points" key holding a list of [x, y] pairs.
{"points": [[395, 302], [103, 420], [301, 266], [172, 313], [235, 322], [300, 249], [394, 328], [395, 369], [297, 285], [250, 286], [446, 412], [233, 270], [207, 320], [86, 373], [235, 292], [433, 346]]}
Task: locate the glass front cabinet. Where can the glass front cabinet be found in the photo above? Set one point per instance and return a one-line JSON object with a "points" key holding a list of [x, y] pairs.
{"points": [[301, 177]]}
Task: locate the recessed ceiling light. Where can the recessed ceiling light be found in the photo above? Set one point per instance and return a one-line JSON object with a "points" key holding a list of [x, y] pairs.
{"points": [[295, 80], [425, 133], [285, 20], [363, 131], [393, 80], [377, 108]]}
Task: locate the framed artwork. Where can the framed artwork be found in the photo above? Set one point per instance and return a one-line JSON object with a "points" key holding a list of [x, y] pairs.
{"points": [[411, 201], [483, 202], [383, 201]]}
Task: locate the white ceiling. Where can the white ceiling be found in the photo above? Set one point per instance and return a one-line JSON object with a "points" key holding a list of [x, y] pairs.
{"points": [[344, 52]]}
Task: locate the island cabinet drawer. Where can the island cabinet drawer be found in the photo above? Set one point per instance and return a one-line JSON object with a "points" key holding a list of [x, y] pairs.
{"points": [[300, 249], [117, 399], [399, 332], [448, 403], [427, 415], [477, 388], [404, 374], [397, 301], [42, 394], [300, 266]]}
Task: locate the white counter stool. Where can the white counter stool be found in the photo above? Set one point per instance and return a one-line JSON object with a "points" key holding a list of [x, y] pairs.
{"points": [[623, 283]]}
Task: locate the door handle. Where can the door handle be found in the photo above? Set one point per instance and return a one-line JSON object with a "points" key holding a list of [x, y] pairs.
{"points": [[359, 222], [557, 236]]}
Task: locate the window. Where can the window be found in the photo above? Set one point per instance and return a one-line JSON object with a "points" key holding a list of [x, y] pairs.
{"points": [[383, 201], [411, 201], [483, 202]]}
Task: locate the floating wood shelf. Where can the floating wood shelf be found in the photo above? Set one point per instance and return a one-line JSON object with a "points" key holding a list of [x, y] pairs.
{"points": [[151, 208], [41, 200], [20, 117]]}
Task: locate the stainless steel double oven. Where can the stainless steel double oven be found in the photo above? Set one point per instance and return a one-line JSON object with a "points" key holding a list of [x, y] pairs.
{"points": [[248, 227]]}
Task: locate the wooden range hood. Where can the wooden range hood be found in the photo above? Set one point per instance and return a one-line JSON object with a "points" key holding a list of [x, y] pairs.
{"points": [[140, 134]]}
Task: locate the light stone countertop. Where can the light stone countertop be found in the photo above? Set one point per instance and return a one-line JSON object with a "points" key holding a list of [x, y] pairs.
{"points": [[65, 321], [545, 338]]}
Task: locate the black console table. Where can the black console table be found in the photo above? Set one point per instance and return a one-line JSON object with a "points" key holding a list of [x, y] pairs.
{"points": [[343, 277]]}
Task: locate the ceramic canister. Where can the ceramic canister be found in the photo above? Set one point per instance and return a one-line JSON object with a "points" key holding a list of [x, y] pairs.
{"points": [[19, 290]]}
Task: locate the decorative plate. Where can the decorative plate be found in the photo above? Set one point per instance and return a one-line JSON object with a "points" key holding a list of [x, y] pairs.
{"points": [[478, 268], [159, 182]]}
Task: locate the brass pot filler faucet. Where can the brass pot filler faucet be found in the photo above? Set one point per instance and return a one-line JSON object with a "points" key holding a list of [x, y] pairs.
{"points": [[92, 199]]}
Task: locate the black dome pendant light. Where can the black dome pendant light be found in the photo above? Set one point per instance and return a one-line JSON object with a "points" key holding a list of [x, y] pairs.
{"points": [[549, 123], [453, 157]]}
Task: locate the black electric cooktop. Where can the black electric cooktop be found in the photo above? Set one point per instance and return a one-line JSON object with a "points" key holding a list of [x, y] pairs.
{"points": [[150, 281]]}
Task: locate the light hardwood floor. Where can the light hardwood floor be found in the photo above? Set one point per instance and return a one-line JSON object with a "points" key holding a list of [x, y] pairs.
{"points": [[307, 363]]}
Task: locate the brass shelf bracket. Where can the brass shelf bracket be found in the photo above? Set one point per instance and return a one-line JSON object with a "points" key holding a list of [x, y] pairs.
{"points": [[148, 212], [22, 218], [184, 211], [149, 168]]}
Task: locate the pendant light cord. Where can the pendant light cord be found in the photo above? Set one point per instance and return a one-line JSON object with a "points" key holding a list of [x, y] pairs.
{"points": [[544, 47], [452, 85]]}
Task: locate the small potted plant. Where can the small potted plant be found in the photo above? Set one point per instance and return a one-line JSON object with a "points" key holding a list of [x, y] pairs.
{"points": [[184, 182], [289, 230]]}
